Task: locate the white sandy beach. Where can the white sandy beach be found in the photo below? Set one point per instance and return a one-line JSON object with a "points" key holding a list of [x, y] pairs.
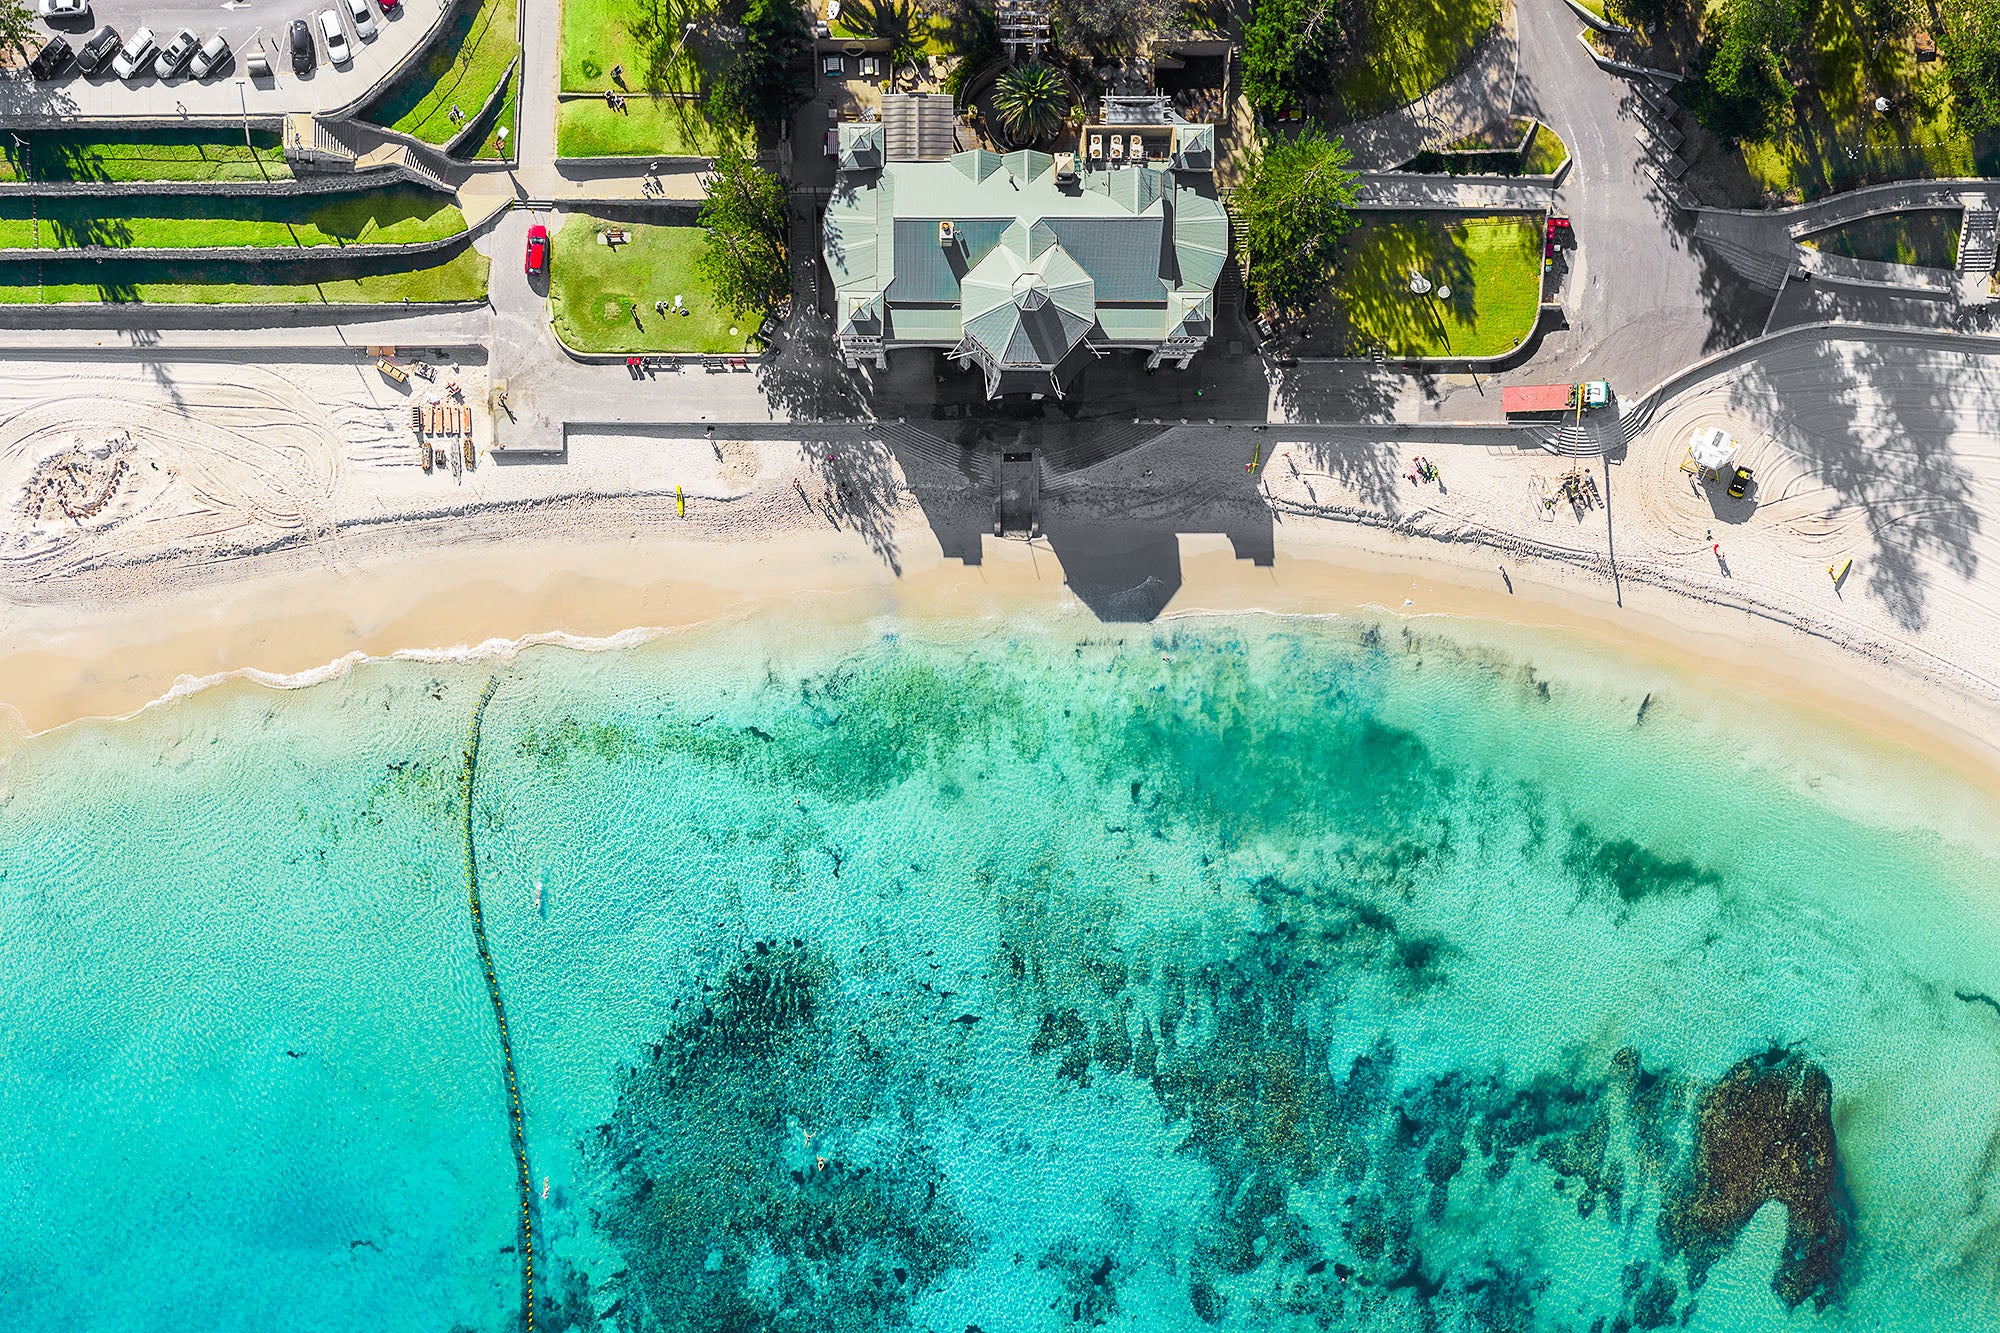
{"points": [[273, 520]]}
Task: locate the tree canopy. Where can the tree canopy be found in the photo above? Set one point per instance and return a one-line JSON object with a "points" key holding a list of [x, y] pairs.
{"points": [[744, 254], [1294, 202], [1031, 101], [762, 83], [18, 25], [1090, 29], [1288, 50], [1738, 87], [1969, 40]]}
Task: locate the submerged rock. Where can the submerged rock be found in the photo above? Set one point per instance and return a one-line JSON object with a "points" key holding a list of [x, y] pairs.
{"points": [[1764, 1132]]}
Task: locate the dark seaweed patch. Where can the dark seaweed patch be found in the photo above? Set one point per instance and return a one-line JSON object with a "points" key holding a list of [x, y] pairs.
{"points": [[737, 1182], [1629, 870]]}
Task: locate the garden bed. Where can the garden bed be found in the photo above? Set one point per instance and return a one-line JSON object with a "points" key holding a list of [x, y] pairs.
{"points": [[1926, 237], [1492, 264], [1513, 153], [461, 277], [594, 288]]}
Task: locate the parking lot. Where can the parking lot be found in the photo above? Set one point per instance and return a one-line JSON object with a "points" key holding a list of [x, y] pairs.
{"points": [[247, 25]]}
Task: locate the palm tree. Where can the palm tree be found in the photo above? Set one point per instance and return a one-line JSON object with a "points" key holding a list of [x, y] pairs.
{"points": [[1031, 101]]}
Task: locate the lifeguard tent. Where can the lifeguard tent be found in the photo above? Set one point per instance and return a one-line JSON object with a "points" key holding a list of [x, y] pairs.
{"points": [[1710, 450]]}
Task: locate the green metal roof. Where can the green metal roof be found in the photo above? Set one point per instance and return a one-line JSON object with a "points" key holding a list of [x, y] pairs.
{"points": [[1201, 237], [1021, 312], [1139, 235]]}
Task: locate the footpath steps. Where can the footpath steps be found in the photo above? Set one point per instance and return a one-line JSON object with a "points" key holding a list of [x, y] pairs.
{"points": [[1978, 239]]}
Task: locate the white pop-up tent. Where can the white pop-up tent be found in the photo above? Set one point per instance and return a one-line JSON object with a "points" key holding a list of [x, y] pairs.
{"points": [[1711, 448]]}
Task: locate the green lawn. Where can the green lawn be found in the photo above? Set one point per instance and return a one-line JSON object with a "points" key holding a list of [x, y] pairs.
{"points": [[467, 63], [462, 277], [1493, 266], [143, 155], [592, 289], [598, 34], [1545, 154], [1833, 139], [491, 148], [647, 127], [1928, 237], [1416, 45], [401, 215]]}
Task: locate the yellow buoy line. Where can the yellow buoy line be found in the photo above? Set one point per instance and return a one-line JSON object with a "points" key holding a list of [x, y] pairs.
{"points": [[468, 777]]}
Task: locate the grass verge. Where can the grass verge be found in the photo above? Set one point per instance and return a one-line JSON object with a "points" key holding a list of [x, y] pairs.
{"points": [[1417, 45], [593, 289], [648, 127], [1927, 236], [143, 155], [463, 68], [1492, 153], [1493, 266], [403, 215], [493, 148], [462, 277], [600, 34]]}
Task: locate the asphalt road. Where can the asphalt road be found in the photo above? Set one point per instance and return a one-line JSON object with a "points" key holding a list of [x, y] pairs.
{"points": [[242, 22]]}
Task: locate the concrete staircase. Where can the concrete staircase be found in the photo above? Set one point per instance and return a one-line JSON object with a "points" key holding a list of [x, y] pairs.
{"points": [[315, 144], [1978, 239], [1599, 435]]}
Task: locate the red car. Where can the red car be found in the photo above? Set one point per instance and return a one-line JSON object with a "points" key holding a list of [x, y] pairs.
{"points": [[538, 249]]}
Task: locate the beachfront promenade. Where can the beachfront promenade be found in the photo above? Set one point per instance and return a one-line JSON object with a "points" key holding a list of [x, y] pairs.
{"points": [[905, 465]]}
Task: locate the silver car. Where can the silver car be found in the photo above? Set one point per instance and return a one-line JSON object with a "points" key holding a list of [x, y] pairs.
{"points": [[63, 9], [364, 22], [214, 54]]}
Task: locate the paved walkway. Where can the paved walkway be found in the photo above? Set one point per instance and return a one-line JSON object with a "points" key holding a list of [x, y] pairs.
{"points": [[1385, 189]]}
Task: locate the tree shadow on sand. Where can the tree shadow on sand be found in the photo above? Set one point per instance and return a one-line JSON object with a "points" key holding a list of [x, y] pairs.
{"points": [[1889, 454]]}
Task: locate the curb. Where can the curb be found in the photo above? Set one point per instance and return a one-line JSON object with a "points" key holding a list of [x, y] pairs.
{"points": [[1621, 67], [1601, 24]]}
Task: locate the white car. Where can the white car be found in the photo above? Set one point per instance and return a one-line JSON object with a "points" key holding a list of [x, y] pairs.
{"points": [[213, 55], [63, 9], [364, 22], [136, 56], [337, 49]]}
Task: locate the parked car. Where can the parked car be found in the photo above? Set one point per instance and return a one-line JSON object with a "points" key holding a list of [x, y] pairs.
{"points": [[538, 249], [50, 60], [213, 56], [90, 57], [1739, 483], [390, 6], [178, 52], [364, 22], [61, 10], [337, 49], [136, 56], [303, 57]]}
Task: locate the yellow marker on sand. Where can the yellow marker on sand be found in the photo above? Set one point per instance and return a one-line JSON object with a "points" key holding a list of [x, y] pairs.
{"points": [[680, 502]]}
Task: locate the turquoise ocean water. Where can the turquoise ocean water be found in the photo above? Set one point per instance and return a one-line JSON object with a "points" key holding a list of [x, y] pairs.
{"points": [[1248, 974]]}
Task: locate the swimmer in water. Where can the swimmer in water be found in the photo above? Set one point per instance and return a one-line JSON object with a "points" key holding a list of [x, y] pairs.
{"points": [[545, 1187]]}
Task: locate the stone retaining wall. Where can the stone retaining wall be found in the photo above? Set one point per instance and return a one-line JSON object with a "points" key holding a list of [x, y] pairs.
{"points": [[284, 187]]}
